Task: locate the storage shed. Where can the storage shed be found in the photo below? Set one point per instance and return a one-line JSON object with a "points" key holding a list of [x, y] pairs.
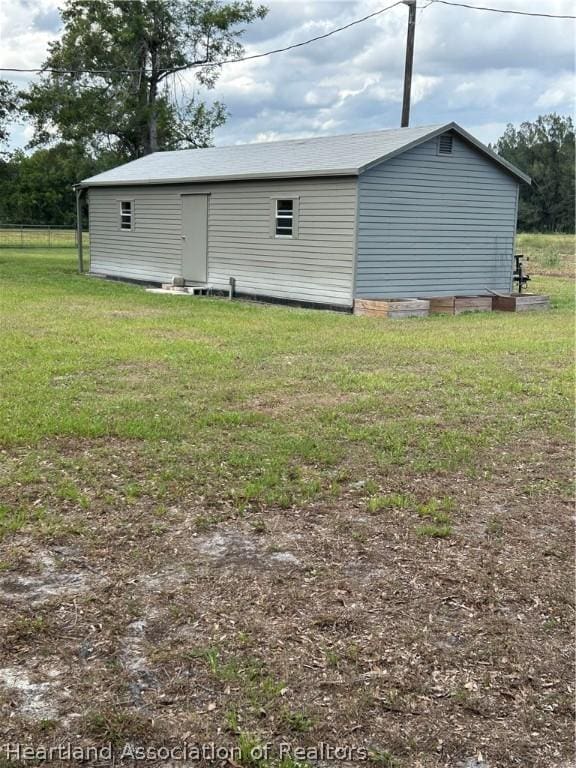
{"points": [[410, 212]]}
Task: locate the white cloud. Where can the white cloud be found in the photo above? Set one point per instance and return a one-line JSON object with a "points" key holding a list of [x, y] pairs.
{"points": [[322, 96], [28, 133], [488, 133], [245, 86], [24, 34], [424, 86], [560, 94], [481, 69]]}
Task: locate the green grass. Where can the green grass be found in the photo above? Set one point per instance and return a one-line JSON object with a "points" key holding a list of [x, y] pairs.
{"points": [[434, 530], [438, 516], [389, 501], [260, 406]]}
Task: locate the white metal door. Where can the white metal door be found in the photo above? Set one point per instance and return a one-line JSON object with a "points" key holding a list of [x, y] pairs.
{"points": [[194, 237]]}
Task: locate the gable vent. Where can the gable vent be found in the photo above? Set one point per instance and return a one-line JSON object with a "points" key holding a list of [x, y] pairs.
{"points": [[445, 144]]}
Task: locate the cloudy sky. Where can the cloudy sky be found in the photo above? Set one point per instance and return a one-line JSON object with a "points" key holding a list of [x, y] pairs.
{"points": [[481, 69]]}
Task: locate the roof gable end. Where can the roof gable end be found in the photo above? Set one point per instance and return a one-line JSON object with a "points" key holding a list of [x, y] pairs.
{"points": [[472, 140]]}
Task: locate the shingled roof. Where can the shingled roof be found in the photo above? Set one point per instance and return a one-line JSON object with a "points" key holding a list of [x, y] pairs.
{"points": [[345, 155]]}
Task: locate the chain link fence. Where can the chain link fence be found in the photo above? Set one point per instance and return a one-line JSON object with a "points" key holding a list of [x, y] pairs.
{"points": [[39, 236]]}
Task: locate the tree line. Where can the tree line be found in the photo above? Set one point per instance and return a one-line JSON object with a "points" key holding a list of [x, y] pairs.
{"points": [[544, 149], [111, 91]]}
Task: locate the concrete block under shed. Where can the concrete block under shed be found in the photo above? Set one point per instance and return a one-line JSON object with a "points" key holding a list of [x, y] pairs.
{"points": [[393, 309], [456, 305], [520, 302]]}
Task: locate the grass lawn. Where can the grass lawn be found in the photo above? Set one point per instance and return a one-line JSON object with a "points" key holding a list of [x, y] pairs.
{"points": [[38, 237], [244, 524], [551, 255]]}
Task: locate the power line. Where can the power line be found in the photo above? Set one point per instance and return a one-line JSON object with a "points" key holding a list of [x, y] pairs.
{"points": [[319, 37], [502, 10], [254, 56], [205, 63]]}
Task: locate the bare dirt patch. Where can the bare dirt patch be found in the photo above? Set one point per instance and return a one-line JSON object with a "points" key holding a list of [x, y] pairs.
{"points": [[33, 700], [51, 580], [327, 621], [243, 549]]}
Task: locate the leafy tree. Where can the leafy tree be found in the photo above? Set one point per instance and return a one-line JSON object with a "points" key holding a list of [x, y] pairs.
{"points": [[136, 112], [37, 188], [8, 106], [543, 149]]}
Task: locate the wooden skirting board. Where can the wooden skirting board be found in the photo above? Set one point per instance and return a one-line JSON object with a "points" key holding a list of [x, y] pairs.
{"points": [[455, 305], [393, 309], [521, 302]]}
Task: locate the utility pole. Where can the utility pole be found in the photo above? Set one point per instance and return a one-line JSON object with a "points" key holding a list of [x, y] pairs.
{"points": [[409, 60]]}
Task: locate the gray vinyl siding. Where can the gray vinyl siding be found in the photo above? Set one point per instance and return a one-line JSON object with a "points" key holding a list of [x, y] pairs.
{"points": [[152, 250], [433, 225], [315, 266]]}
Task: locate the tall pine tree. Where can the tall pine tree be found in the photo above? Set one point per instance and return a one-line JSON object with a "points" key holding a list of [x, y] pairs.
{"points": [[543, 149]]}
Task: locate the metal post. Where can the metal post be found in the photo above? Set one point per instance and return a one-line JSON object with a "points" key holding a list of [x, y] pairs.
{"points": [[79, 229], [409, 61]]}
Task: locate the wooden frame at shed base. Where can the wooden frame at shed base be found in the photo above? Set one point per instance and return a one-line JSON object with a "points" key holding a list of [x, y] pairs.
{"points": [[520, 302], [393, 309], [456, 305]]}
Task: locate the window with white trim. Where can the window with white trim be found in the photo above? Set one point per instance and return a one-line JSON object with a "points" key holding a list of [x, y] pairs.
{"points": [[126, 213], [284, 218]]}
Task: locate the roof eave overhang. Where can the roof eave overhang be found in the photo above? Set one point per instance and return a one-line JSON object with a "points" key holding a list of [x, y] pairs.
{"points": [[212, 179], [506, 166]]}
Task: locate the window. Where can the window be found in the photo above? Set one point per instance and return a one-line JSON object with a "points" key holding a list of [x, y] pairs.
{"points": [[125, 214], [445, 144], [284, 224], [284, 217]]}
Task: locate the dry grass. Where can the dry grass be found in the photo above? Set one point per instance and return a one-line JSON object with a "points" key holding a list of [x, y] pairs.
{"points": [[551, 255]]}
